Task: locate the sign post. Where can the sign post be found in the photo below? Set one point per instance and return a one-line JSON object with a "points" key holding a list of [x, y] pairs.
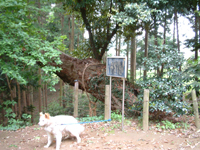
{"points": [[117, 67]]}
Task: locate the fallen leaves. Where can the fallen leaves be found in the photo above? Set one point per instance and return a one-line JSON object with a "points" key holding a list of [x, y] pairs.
{"points": [[100, 136]]}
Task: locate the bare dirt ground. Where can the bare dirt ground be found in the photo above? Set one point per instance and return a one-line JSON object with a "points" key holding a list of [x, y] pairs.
{"points": [[100, 136], [105, 135]]}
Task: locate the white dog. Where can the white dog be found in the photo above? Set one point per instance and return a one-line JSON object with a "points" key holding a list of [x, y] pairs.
{"points": [[56, 126]]}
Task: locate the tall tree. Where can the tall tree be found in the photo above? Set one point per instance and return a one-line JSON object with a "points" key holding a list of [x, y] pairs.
{"points": [[32, 48], [103, 32], [146, 47], [133, 57]]}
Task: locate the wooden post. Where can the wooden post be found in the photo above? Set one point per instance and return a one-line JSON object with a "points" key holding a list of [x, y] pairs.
{"points": [[76, 99], [195, 106], [107, 109], [146, 110]]}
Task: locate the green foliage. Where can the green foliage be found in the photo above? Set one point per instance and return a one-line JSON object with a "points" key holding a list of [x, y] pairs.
{"points": [[116, 116], [133, 14], [82, 52], [13, 123], [54, 107], [166, 89], [90, 119], [22, 41], [165, 95], [167, 125], [13, 145], [192, 75]]}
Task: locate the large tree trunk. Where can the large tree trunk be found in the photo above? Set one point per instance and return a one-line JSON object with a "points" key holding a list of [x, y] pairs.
{"points": [[92, 78], [146, 46], [164, 40], [133, 57], [177, 32]]}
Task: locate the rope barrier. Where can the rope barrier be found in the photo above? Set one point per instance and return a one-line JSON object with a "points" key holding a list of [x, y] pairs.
{"points": [[88, 122]]}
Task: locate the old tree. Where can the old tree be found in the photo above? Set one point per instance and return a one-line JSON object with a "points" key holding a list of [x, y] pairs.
{"points": [[25, 45], [91, 73]]}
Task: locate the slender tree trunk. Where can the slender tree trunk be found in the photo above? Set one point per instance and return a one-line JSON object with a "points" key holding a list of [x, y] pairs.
{"points": [[117, 45], [133, 57], [61, 92], [28, 97], [19, 100], [24, 100], [104, 58], [119, 48], [62, 17], [45, 89], [174, 30], [196, 36], [156, 42], [72, 45], [69, 30], [72, 34], [146, 47], [40, 91], [1, 103], [177, 32], [127, 55], [39, 71], [62, 32], [164, 41], [199, 29], [78, 39], [14, 96], [64, 94], [31, 102], [43, 98], [11, 93]]}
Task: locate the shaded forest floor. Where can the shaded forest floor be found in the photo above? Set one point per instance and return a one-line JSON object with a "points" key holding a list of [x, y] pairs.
{"points": [[105, 135], [99, 136]]}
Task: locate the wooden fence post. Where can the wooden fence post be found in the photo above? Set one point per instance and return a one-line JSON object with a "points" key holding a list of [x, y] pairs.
{"points": [[196, 111], [146, 110], [107, 109], [76, 99]]}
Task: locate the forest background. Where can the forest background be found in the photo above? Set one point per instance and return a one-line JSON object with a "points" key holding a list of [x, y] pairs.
{"points": [[42, 42]]}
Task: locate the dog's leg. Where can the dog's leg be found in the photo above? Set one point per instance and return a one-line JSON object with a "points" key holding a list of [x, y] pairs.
{"points": [[66, 136], [58, 140], [76, 134], [50, 140]]}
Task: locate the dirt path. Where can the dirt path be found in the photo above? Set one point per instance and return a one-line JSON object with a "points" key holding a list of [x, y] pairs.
{"points": [[100, 136]]}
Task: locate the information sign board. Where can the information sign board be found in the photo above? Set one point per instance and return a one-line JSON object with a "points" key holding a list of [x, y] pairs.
{"points": [[116, 66]]}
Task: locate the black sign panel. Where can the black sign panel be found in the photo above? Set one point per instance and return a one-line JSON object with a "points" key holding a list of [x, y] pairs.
{"points": [[116, 66]]}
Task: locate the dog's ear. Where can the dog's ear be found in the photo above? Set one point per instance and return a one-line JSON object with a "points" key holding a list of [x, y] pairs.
{"points": [[41, 113], [47, 116]]}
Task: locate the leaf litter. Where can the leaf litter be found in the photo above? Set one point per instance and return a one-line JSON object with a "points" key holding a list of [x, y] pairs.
{"points": [[106, 136]]}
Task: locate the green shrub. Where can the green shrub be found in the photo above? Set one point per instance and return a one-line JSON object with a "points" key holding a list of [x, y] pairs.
{"points": [[166, 89], [13, 123], [166, 125]]}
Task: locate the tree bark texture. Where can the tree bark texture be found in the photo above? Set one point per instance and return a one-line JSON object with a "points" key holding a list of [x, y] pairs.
{"points": [[146, 46], [133, 57], [91, 75]]}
